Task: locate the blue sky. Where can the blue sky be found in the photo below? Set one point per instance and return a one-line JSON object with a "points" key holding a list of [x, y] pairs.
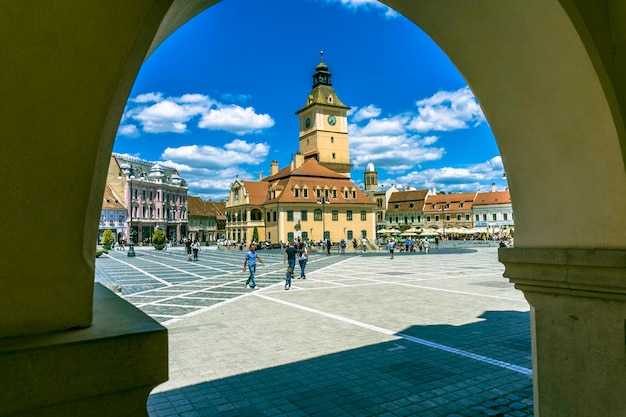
{"points": [[217, 99]]}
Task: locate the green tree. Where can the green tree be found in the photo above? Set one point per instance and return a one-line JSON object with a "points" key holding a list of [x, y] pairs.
{"points": [[255, 234], [107, 239], [158, 238]]}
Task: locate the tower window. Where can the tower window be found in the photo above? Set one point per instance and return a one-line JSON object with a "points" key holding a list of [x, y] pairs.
{"points": [[332, 139], [333, 155]]}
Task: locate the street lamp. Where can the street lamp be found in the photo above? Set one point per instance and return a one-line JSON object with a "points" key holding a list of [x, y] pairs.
{"points": [[131, 246], [323, 201]]}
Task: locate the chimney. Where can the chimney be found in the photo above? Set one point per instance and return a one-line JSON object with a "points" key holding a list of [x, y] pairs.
{"points": [[274, 167], [493, 187], [434, 190], [292, 165], [299, 159], [260, 176]]}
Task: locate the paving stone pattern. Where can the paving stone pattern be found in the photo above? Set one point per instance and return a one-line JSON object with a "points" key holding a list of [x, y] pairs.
{"points": [[438, 334]]}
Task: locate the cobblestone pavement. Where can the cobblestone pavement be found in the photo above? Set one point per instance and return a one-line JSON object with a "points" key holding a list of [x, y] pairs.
{"points": [[438, 334]]}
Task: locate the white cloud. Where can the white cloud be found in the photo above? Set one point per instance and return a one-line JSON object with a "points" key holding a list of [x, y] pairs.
{"points": [[128, 130], [394, 154], [235, 119], [235, 153], [364, 5], [210, 171], [154, 113], [446, 111], [363, 113], [148, 98], [376, 127], [476, 177], [164, 116]]}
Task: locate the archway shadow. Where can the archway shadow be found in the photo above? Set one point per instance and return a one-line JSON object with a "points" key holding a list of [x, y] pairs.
{"points": [[395, 378]]}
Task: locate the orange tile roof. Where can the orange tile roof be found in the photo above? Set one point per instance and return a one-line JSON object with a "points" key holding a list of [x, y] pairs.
{"points": [[492, 197], [401, 201], [257, 190], [111, 200], [454, 201], [198, 207], [310, 168], [310, 175], [410, 195], [218, 208]]}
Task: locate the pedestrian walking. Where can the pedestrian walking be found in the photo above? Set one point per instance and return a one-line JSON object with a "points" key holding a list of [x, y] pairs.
{"points": [[195, 247], [329, 245], [251, 260], [392, 246], [188, 248], [342, 245], [303, 257], [290, 258], [426, 246]]}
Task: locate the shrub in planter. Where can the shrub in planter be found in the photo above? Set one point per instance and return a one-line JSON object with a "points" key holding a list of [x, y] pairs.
{"points": [[107, 239], [100, 251], [158, 239]]}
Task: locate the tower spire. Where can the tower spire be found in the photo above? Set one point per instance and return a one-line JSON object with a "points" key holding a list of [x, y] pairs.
{"points": [[322, 75]]}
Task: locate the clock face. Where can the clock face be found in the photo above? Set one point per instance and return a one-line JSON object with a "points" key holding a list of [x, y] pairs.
{"points": [[307, 123], [332, 120]]}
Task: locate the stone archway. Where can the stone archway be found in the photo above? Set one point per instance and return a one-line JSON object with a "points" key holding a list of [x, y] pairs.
{"points": [[548, 74]]}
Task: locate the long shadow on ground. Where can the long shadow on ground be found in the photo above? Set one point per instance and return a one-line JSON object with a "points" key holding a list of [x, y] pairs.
{"points": [[398, 378]]}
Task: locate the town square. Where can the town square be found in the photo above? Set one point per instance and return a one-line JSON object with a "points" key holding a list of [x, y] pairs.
{"points": [[437, 334]]}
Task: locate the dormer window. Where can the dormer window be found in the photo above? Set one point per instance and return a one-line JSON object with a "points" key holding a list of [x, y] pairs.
{"points": [[411, 205]]}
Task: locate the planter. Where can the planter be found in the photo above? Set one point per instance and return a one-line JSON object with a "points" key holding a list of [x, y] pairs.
{"points": [[159, 247]]}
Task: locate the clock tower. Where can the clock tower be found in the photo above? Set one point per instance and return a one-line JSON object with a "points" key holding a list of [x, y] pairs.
{"points": [[324, 124]]}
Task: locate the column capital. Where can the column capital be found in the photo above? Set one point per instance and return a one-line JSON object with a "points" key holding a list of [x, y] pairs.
{"points": [[598, 273]]}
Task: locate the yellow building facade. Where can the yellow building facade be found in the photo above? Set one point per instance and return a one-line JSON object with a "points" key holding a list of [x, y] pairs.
{"points": [[305, 200], [313, 198]]}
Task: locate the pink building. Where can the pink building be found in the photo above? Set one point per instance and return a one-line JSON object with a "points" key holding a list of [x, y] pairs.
{"points": [[156, 198]]}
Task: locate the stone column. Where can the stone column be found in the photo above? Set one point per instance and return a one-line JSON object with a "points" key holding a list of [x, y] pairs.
{"points": [[68, 347], [578, 319]]}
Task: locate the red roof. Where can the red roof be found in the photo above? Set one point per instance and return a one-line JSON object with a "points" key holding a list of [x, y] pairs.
{"points": [[492, 197]]}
